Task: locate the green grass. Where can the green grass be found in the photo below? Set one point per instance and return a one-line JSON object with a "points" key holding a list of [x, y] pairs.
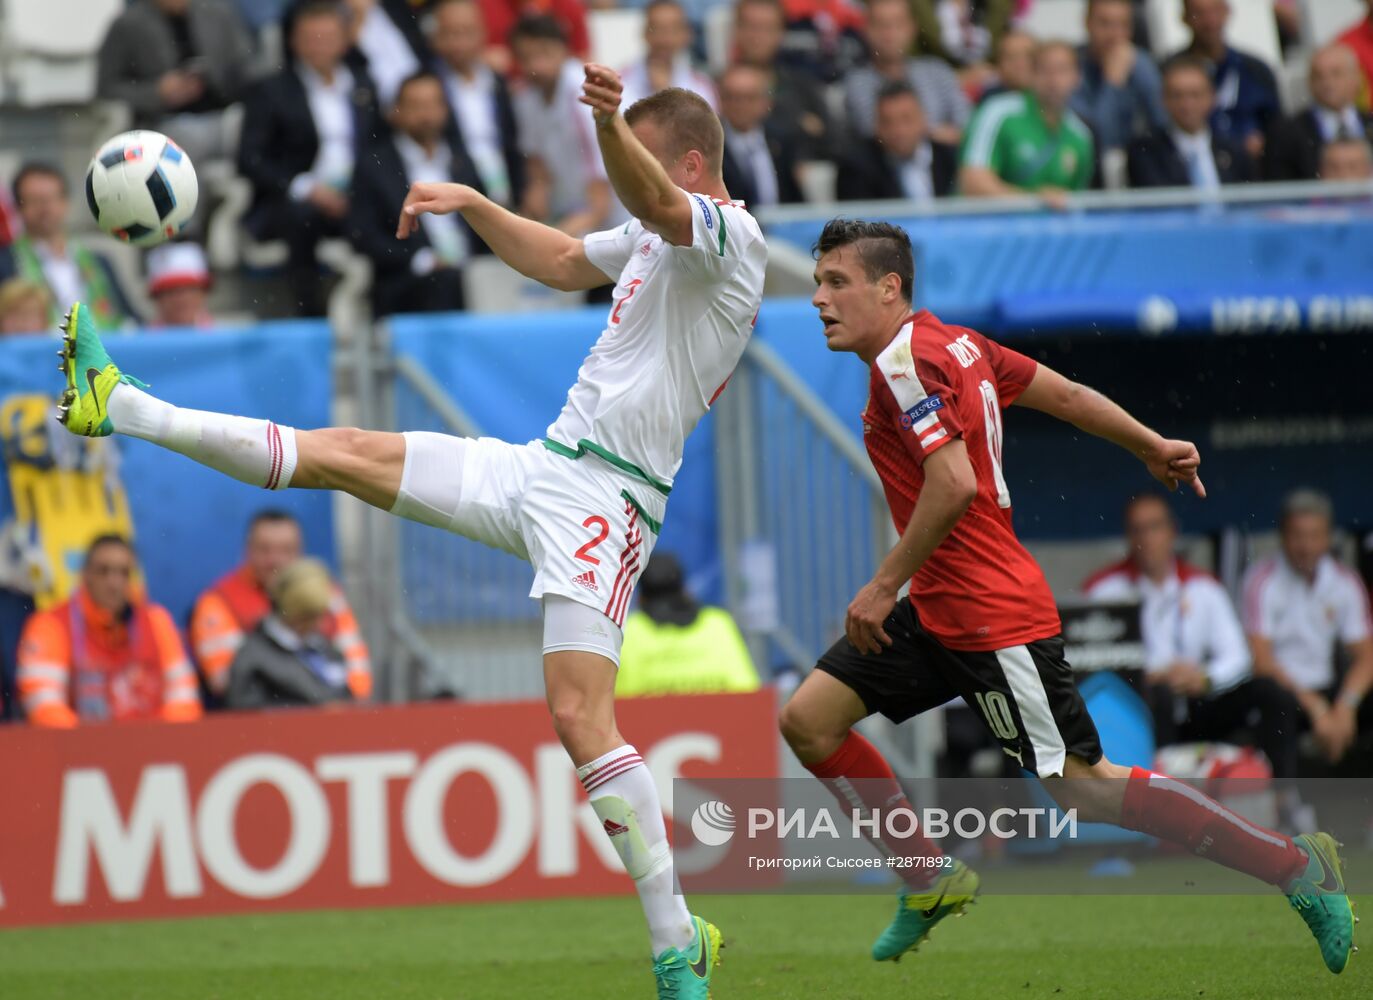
{"points": [[1118, 947]]}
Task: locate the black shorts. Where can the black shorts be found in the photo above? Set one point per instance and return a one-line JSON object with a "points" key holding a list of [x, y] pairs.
{"points": [[1026, 694]]}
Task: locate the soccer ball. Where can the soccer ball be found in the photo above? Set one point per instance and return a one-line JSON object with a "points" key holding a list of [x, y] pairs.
{"points": [[141, 187]]}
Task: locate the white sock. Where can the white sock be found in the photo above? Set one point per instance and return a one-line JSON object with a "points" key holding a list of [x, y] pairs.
{"points": [[624, 797], [257, 452]]}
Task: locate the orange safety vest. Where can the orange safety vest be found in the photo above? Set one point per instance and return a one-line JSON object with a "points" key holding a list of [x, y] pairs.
{"points": [[235, 604], [80, 663]]}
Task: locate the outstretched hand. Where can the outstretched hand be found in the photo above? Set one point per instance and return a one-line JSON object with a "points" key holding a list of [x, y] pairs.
{"points": [[1175, 462], [438, 199], [602, 92]]}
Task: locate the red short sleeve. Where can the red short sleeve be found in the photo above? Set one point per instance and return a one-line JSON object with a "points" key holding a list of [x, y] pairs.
{"points": [[1014, 371], [918, 400]]}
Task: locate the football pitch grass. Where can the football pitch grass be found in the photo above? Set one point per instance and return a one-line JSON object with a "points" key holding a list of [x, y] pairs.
{"points": [[785, 947]]}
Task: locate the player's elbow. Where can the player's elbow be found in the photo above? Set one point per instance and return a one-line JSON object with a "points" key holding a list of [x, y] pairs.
{"points": [[957, 486]]}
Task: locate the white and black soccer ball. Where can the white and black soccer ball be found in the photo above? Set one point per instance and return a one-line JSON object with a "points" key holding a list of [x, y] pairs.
{"points": [[141, 187]]}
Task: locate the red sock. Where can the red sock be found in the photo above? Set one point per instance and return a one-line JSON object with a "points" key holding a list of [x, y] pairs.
{"points": [[1166, 808], [859, 761]]}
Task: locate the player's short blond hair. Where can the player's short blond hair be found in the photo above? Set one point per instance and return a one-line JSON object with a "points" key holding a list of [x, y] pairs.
{"points": [[21, 291], [688, 123], [302, 589]]}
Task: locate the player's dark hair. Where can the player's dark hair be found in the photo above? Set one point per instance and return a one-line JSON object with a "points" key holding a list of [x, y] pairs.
{"points": [[416, 77], [1306, 501], [1185, 61], [894, 89], [271, 515], [687, 121], [106, 540], [1149, 496], [1045, 47], [539, 27], [36, 168], [882, 247]]}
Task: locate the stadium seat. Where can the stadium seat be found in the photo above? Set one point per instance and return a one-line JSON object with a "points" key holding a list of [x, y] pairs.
{"points": [[49, 49], [492, 287], [617, 36], [1324, 20], [1253, 29], [1063, 20]]}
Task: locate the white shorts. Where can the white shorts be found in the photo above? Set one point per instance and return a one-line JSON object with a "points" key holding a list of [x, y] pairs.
{"points": [[586, 527]]}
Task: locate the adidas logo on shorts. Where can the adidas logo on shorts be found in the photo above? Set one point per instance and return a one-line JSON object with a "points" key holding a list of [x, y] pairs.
{"points": [[587, 580]]}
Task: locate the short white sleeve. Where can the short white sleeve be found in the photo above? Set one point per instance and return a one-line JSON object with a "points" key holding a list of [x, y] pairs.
{"points": [[1353, 610], [720, 232], [1261, 601], [610, 249]]}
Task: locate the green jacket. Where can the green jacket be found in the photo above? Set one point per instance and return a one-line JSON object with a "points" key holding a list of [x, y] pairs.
{"points": [[1009, 135], [706, 657], [99, 292]]}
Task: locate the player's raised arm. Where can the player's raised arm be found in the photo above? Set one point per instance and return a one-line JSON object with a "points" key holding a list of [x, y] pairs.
{"points": [[541, 252], [1170, 462], [637, 176]]}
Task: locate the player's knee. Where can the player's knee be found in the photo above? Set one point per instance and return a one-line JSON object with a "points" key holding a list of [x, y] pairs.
{"points": [[577, 722], [807, 739]]}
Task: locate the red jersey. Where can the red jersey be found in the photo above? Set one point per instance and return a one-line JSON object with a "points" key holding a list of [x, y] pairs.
{"points": [[979, 590]]}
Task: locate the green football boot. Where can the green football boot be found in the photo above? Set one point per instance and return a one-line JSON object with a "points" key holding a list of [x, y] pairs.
{"points": [[91, 377], [917, 913], [685, 975], [1318, 894]]}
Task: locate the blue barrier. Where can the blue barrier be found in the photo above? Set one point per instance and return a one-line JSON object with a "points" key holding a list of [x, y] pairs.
{"points": [[189, 520], [1248, 269]]}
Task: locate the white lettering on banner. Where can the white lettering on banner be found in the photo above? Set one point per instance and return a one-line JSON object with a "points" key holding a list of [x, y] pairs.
{"points": [[563, 814], [1246, 315], [423, 815], [665, 760], [306, 844], [90, 823], [366, 774]]}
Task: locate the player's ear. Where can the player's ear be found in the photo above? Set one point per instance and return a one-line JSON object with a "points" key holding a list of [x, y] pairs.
{"points": [[891, 287]]}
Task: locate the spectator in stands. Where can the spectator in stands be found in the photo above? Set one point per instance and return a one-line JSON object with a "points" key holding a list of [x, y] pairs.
{"points": [[1015, 64], [1247, 93], [288, 658], [798, 103], [825, 38], [1121, 94], [234, 604], [303, 129], [178, 64], [25, 307], [9, 218], [1347, 160], [1303, 610], [179, 285], [668, 35], [1199, 682], [964, 33], [673, 645], [388, 36], [424, 273], [47, 256], [759, 162], [1188, 153], [891, 35], [903, 160], [1359, 40], [483, 127], [105, 654], [1031, 141], [501, 17], [567, 185], [1293, 150]]}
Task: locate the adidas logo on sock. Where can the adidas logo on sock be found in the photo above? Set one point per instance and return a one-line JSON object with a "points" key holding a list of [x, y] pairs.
{"points": [[587, 580], [614, 829]]}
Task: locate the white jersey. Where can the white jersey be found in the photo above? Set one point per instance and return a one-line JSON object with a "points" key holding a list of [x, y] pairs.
{"points": [[680, 319], [1304, 620]]}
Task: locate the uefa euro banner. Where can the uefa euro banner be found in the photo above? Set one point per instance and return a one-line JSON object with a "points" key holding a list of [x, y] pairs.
{"points": [[412, 804]]}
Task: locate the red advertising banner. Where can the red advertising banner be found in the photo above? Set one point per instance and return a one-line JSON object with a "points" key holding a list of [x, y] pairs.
{"points": [[304, 809]]}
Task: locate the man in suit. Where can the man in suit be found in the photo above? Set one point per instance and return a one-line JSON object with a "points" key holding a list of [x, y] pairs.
{"points": [[1246, 101], [483, 118], [1293, 152], [1347, 160], [387, 34], [901, 161], [667, 62], [177, 64], [1187, 153], [302, 131], [423, 273], [759, 162], [798, 103]]}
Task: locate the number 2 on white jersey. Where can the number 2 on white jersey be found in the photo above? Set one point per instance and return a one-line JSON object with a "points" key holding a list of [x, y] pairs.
{"points": [[991, 408]]}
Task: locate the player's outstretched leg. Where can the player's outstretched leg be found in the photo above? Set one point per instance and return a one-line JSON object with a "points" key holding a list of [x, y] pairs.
{"points": [[817, 723], [1306, 869], [581, 696], [100, 399]]}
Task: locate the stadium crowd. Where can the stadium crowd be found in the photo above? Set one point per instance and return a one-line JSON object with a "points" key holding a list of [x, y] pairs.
{"points": [[820, 99]]}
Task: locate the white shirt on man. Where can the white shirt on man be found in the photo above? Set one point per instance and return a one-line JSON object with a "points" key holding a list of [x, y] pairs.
{"points": [[1185, 617], [1305, 619], [916, 174], [61, 273], [635, 80], [1331, 122], [331, 108], [750, 151], [448, 244], [390, 59], [1195, 150], [474, 106]]}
